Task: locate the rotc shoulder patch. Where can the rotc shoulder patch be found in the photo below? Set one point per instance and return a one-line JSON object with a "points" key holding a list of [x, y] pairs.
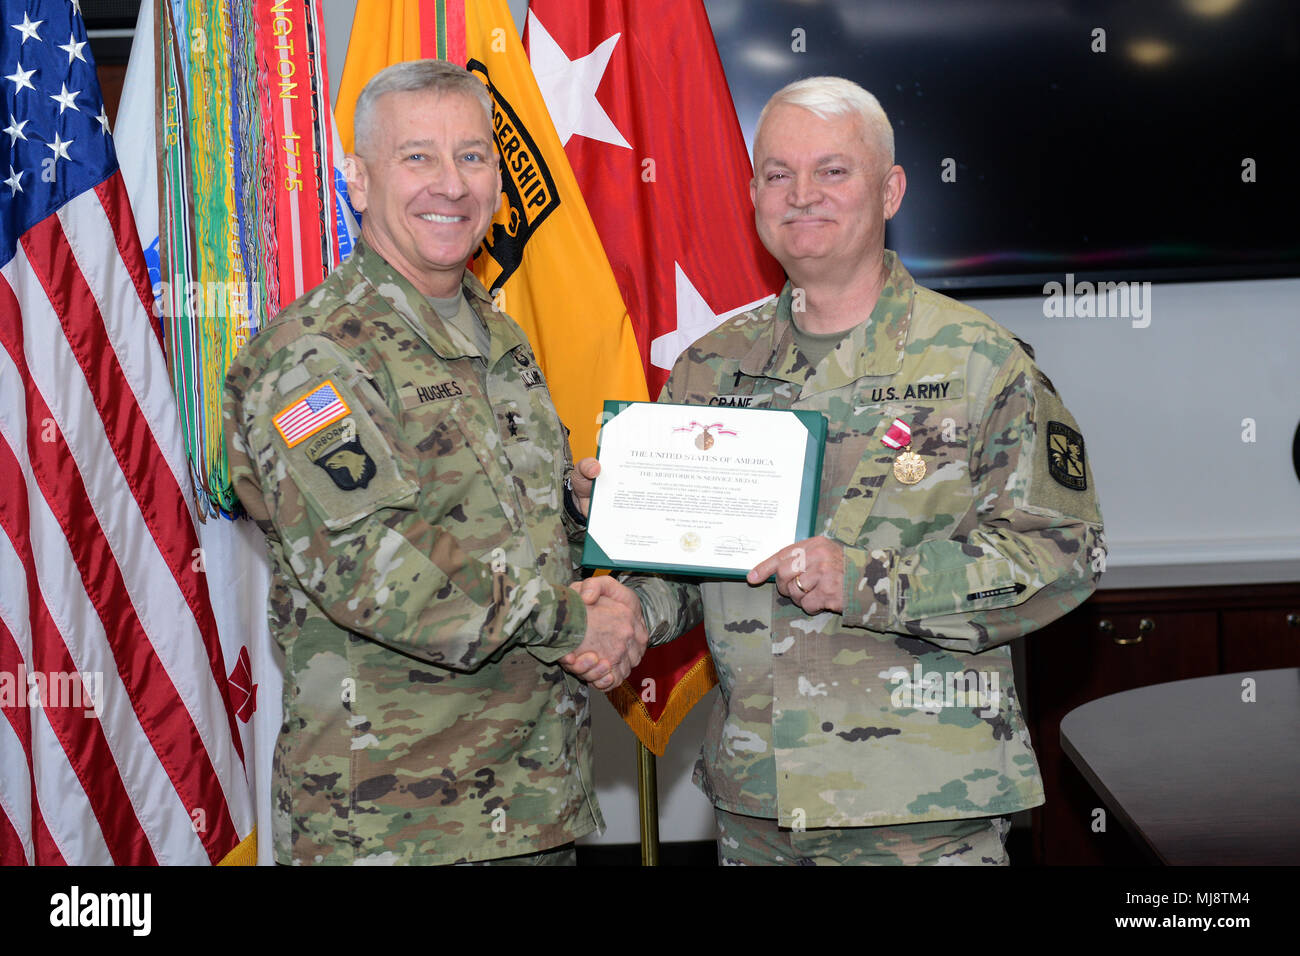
{"points": [[310, 414], [348, 464], [1065, 456]]}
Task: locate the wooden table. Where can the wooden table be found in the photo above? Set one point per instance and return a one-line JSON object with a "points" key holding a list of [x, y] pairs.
{"points": [[1194, 772]]}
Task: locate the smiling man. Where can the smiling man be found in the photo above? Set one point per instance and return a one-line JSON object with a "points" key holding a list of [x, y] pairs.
{"points": [[868, 712], [394, 438]]}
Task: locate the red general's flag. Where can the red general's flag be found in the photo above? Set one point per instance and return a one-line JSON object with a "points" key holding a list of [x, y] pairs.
{"points": [[639, 98], [541, 258]]}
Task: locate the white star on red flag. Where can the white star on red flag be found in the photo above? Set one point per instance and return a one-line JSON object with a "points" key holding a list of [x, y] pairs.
{"points": [[569, 87], [694, 318]]}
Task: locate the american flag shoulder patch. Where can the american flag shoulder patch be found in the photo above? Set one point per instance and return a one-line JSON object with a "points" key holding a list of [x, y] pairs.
{"points": [[310, 414]]}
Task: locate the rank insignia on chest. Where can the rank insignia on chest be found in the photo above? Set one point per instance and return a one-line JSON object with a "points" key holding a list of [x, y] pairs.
{"points": [[348, 464], [909, 467]]}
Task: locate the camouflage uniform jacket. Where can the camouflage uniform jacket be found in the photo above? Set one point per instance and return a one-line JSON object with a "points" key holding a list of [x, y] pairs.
{"points": [[901, 709], [420, 557]]}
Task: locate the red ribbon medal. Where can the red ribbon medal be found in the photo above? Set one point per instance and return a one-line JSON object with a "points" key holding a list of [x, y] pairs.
{"points": [[909, 467]]}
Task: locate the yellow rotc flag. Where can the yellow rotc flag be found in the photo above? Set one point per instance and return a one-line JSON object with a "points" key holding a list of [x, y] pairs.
{"points": [[541, 258]]}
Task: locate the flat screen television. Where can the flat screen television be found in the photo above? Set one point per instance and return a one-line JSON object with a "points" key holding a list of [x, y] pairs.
{"points": [[1111, 139]]}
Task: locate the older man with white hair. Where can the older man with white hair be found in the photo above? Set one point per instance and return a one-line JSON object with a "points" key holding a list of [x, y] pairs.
{"points": [[868, 712]]}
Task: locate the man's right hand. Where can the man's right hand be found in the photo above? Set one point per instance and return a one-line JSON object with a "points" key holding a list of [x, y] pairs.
{"points": [[616, 636]]}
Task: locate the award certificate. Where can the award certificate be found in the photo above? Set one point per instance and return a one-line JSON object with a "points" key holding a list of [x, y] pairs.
{"points": [[698, 489]]}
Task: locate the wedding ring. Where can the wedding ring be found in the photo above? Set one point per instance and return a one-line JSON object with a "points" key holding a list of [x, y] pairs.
{"points": [[798, 583]]}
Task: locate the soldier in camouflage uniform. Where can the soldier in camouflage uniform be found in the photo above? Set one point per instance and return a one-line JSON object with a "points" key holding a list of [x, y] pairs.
{"points": [[393, 436], [867, 710]]}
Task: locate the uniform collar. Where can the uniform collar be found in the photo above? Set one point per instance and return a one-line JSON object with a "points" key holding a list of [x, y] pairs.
{"points": [[419, 313], [873, 348]]}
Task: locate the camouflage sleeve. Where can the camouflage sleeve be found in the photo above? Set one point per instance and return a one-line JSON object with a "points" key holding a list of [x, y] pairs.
{"points": [[575, 530], [1029, 548], [671, 606], [367, 556]]}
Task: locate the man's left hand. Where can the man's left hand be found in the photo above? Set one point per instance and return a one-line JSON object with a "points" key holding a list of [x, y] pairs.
{"points": [[809, 572], [581, 480]]}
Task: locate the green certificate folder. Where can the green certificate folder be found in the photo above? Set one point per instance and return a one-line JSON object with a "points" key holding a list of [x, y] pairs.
{"points": [[700, 489]]}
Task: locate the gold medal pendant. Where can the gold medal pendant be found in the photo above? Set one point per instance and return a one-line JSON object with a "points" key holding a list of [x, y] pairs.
{"points": [[909, 467]]}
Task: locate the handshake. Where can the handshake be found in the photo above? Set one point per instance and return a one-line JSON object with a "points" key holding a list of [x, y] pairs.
{"points": [[616, 636]]}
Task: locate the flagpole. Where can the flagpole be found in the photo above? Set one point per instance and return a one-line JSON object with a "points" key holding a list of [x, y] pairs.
{"points": [[647, 786]]}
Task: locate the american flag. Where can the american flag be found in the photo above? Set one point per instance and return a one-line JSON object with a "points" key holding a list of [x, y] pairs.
{"points": [[311, 414], [100, 568]]}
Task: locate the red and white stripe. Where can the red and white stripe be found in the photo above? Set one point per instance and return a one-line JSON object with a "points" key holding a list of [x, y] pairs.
{"points": [[99, 569], [899, 434]]}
